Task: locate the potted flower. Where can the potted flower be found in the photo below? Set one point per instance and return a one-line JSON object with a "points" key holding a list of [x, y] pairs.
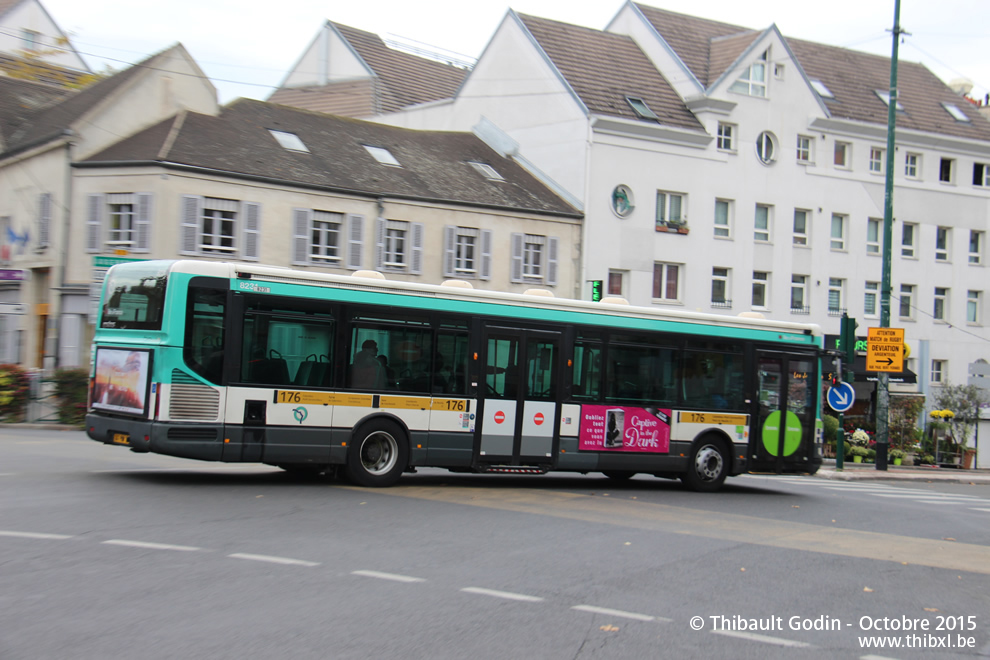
{"points": [[858, 452], [896, 455]]}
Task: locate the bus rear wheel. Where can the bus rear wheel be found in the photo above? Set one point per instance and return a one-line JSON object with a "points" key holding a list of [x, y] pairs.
{"points": [[378, 455], [709, 466]]}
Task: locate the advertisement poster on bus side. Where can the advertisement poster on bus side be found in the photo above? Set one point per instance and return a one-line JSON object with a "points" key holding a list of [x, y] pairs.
{"points": [[621, 428], [122, 379]]}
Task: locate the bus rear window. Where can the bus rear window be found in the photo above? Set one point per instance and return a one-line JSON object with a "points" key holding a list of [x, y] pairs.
{"points": [[134, 296]]}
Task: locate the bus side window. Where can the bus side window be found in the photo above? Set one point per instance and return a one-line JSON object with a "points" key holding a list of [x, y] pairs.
{"points": [[587, 373]]}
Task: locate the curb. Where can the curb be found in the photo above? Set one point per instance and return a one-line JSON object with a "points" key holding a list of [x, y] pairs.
{"points": [[981, 477]]}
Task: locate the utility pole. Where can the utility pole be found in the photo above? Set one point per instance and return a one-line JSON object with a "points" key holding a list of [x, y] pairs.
{"points": [[883, 386]]}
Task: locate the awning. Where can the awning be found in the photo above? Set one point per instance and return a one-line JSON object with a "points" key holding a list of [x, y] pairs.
{"points": [[863, 376]]}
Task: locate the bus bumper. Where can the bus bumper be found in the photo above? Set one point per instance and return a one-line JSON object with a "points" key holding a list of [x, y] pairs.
{"points": [[140, 435]]}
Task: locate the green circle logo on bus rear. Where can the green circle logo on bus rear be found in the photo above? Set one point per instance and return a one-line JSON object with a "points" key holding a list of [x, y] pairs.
{"points": [[771, 433]]}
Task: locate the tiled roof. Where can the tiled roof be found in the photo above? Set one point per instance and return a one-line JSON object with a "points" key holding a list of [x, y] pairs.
{"points": [[603, 69], [403, 79], [709, 47], [434, 163], [21, 99]]}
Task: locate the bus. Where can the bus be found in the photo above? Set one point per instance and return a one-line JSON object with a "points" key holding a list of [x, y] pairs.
{"points": [[315, 372]]}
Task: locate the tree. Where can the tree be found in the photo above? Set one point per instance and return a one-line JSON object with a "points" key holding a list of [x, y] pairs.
{"points": [[903, 424], [32, 65], [964, 401]]}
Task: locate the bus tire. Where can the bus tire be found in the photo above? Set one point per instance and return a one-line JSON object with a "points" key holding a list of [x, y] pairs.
{"points": [[709, 465], [378, 454], [619, 475]]}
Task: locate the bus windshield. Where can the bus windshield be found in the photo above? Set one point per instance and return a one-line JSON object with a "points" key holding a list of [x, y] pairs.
{"points": [[134, 296]]}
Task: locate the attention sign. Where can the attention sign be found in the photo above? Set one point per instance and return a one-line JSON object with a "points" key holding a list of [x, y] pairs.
{"points": [[885, 350]]}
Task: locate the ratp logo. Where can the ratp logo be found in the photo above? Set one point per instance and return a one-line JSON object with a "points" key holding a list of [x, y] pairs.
{"points": [[300, 414]]}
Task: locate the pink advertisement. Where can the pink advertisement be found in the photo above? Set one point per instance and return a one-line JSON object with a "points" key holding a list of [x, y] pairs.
{"points": [[617, 428]]}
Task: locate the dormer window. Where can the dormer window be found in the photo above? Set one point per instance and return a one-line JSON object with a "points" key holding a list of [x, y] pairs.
{"points": [[383, 156], [956, 113], [885, 97], [822, 90], [753, 81], [486, 170], [640, 108], [289, 141]]}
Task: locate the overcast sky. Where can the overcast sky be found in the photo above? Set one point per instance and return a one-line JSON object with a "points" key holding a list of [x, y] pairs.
{"points": [[247, 47]]}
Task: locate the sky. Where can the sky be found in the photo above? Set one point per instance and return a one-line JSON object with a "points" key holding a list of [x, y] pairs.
{"points": [[246, 47]]}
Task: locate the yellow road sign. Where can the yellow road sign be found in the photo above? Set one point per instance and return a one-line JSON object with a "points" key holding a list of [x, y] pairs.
{"points": [[885, 349]]}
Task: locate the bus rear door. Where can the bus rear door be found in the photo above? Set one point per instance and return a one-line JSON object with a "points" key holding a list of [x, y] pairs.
{"points": [[783, 435]]}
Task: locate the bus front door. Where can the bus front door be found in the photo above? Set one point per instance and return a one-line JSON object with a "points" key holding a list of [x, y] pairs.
{"points": [[783, 436], [519, 411]]}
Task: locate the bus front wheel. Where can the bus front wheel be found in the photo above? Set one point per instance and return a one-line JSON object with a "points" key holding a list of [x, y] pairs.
{"points": [[378, 454], [709, 466]]}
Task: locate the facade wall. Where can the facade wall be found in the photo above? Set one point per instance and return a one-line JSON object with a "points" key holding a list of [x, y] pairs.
{"points": [[32, 16]]}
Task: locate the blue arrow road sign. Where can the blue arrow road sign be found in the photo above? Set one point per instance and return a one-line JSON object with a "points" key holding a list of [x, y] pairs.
{"points": [[841, 397]]}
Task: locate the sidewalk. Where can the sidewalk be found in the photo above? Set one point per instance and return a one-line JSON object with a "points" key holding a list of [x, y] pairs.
{"points": [[869, 472]]}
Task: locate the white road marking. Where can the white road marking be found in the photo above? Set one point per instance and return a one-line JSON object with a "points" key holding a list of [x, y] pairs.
{"points": [[619, 613], [151, 546], [766, 639], [274, 560], [388, 576], [976, 508], [34, 535], [502, 594]]}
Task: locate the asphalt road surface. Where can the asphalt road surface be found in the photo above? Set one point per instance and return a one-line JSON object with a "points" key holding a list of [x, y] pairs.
{"points": [[109, 554]]}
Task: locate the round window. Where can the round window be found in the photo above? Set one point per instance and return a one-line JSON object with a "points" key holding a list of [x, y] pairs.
{"points": [[766, 147], [622, 201]]}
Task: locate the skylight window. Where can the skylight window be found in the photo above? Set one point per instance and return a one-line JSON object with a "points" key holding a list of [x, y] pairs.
{"points": [[486, 171], [383, 156], [289, 141], [640, 108], [822, 89], [956, 113], [885, 97]]}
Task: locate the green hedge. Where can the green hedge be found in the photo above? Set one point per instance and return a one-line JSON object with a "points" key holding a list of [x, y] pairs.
{"points": [[15, 390]]}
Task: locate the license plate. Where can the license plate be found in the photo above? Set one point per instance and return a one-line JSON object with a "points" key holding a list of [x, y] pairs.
{"points": [[121, 439]]}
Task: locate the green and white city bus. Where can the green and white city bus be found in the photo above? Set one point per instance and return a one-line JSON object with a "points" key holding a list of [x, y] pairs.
{"points": [[310, 371]]}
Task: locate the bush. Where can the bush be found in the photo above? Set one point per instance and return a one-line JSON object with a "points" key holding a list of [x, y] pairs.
{"points": [[71, 390], [15, 390], [830, 426]]}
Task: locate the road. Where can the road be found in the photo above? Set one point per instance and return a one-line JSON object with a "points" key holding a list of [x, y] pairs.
{"points": [[109, 554]]}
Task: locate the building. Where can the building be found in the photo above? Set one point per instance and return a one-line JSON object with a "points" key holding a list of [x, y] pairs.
{"points": [[32, 45]]}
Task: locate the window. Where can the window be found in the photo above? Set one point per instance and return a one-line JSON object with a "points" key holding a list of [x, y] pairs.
{"points": [[835, 298], [766, 147], [383, 156], [973, 311], [399, 246], [946, 170], [30, 40], [324, 238], [981, 175], [842, 154], [670, 210], [870, 307], [467, 252], [666, 282], [838, 238], [762, 223], [325, 243], [118, 221], [486, 170], [912, 166], [753, 80], [906, 310], [804, 145], [975, 247], [723, 226], [908, 234], [534, 259], [720, 288], [876, 160], [616, 283], [289, 141], [822, 90], [956, 113], [938, 370], [873, 226], [724, 139], [761, 290], [801, 226], [942, 244], [939, 312], [640, 108], [220, 227], [885, 97], [799, 294]]}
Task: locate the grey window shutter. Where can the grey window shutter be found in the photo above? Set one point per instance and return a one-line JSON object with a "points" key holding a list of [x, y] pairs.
{"points": [[416, 260], [449, 254], [142, 223], [355, 240], [251, 230], [301, 221], [485, 271], [516, 270], [94, 223], [44, 219], [192, 211], [551, 279], [380, 225]]}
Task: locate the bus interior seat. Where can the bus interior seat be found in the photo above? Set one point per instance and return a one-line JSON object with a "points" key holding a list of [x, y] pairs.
{"points": [[272, 370]]}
